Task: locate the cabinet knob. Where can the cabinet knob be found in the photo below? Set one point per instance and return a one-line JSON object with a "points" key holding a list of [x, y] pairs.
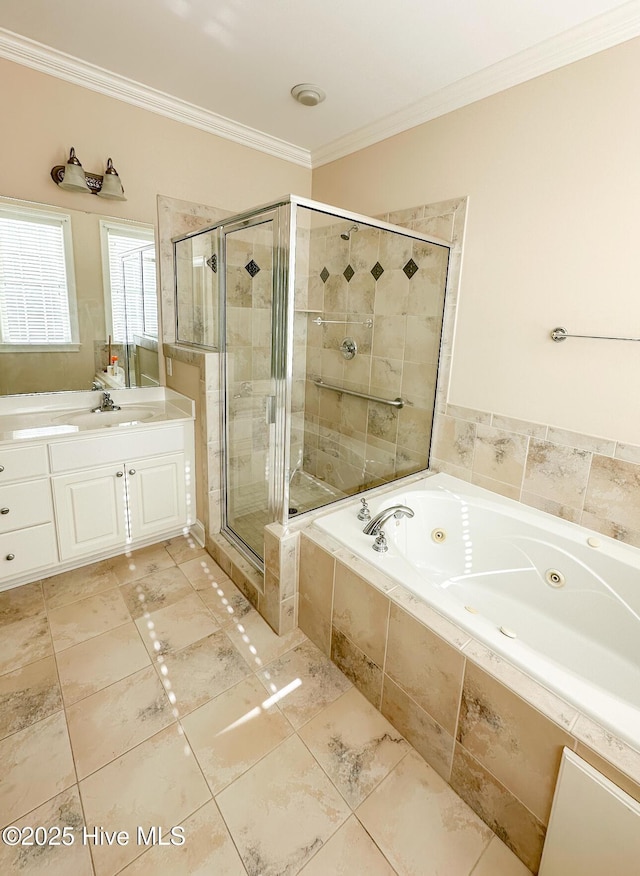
{"points": [[119, 474], [4, 510], [1, 467], [132, 471], [10, 557]]}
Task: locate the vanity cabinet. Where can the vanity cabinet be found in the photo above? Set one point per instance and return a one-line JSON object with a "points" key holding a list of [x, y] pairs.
{"points": [[27, 531], [116, 504], [67, 501]]}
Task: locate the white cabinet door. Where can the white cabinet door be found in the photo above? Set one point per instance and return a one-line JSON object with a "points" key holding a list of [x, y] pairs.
{"points": [[157, 494], [90, 510]]}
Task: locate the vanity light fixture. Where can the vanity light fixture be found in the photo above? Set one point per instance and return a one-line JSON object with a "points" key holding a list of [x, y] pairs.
{"points": [[73, 178]]}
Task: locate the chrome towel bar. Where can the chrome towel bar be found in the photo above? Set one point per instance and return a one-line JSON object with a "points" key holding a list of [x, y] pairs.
{"points": [[561, 334], [395, 402], [321, 321]]}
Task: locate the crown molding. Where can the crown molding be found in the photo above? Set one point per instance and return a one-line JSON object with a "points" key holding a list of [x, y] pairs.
{"points": [[47, 60], [593, 36]]}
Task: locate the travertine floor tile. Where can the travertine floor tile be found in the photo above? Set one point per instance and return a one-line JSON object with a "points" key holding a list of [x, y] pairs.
{"points": [[208, 850], [78, 584], [113, 720], [24, 641], [184, 548], [354, 744], [156, 591], [19, 603], [141, 563], [231, 733], [28, 695], [156, 783], [92, 665], [165, 711], [349, 851], [176, 626], [306, 680], [36, 765], [75, 623], [282, 811], [203, 572], [227, 604], [257, 642], [498, 860], [202, 670], [421, 825], [74, 859]]}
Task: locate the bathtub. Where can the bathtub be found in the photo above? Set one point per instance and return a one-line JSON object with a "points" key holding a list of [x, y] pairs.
{"points": [[559, 601]]}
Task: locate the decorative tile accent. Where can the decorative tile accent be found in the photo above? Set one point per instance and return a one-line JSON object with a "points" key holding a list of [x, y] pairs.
{"points": [[348, 273], [213, 263], [252, 268], [324, 275], [377, 270], [410, 268]]}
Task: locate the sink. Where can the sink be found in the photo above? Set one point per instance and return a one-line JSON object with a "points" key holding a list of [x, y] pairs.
{"points": [[99, 419]]}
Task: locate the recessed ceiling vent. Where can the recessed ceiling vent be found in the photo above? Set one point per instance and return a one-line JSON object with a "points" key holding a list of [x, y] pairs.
{"points": [[308, 94]]}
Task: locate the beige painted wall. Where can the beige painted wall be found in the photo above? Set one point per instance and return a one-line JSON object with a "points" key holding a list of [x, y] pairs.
{"points": [[552, 170], [42, 117]]}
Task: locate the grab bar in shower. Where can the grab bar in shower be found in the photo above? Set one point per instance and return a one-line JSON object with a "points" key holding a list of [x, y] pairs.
{"points": [[394, 402], [560, 334], [320, 321]]}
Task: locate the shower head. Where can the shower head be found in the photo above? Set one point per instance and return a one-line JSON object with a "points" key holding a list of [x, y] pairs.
{"points": [[347, 234]]}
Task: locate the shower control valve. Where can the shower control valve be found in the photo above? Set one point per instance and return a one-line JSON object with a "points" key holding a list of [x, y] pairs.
{"points": [[364, 513]]}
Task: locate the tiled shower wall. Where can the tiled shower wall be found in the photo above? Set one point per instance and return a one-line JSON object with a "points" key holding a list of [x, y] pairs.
{"points": [[386, 293], [249, 295], [585, 479]]}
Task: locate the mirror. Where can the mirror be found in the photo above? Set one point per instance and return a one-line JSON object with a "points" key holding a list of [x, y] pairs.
{"points": [[78, 300]]}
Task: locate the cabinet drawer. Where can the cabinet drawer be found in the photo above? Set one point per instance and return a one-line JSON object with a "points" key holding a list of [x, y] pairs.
{"points": [[25, 504], [18, 463], [31, 548], [115, 447]]}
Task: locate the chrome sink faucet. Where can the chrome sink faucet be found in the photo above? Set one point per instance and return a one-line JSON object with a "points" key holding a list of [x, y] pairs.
{"points": [[374, 526], [106, 404]]}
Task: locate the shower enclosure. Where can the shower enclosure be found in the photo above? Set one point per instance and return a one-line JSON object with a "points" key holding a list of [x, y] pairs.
{"points": [[328, 324]]}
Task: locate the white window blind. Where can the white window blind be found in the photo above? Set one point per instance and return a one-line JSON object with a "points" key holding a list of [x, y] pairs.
{"points": [[36, 279], [127, 284]]}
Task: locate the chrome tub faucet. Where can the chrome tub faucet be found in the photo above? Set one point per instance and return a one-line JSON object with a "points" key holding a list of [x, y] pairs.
{"points": [[374, 526]]}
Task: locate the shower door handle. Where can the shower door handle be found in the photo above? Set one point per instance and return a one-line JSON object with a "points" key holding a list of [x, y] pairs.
{"points": [[270, 410]]}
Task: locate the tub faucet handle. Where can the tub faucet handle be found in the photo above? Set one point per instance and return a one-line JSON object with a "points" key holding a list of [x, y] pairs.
{"points": [[364, 513], [380, 544]]}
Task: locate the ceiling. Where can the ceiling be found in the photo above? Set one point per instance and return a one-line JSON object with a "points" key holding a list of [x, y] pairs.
{"points": [[228, 65]]}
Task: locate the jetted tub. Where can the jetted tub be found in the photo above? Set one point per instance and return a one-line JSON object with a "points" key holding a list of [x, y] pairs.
{"points": [[559, 601]]}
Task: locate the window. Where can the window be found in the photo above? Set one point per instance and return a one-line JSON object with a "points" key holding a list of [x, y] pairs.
{"points": [[37, 286], [128, 258]]}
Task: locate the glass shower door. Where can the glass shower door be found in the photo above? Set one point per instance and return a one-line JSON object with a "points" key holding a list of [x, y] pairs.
{"points": [[249, 386]]}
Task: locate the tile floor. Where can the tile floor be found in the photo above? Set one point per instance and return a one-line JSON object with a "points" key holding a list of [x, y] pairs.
{"points": [[144, 691]]}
